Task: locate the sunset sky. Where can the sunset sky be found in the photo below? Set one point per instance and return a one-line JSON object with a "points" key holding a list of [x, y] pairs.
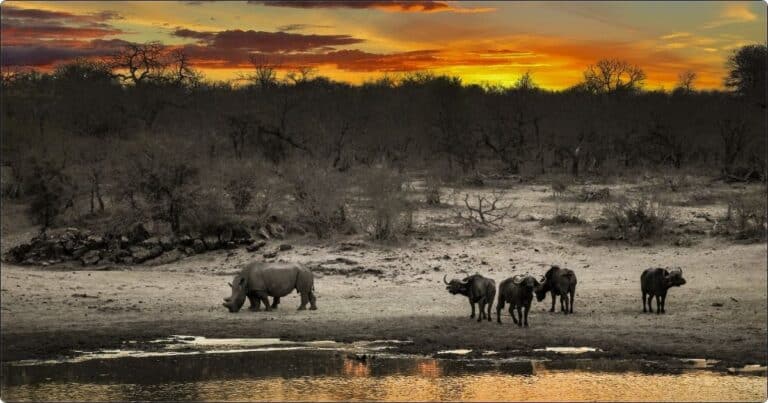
{"points": [[357, 40]]}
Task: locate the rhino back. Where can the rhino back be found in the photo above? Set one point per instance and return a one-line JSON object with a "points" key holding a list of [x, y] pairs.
{"points": [[277, 279]]}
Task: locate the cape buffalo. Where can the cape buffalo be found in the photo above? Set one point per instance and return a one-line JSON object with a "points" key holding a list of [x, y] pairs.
{"points": [[259, 280], [478, 289], [656, 282], [559, 281], [518, 292]]}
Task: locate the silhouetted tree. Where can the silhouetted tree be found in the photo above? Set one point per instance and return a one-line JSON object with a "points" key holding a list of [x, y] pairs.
{"points": [[613, 75], [747, 72]]}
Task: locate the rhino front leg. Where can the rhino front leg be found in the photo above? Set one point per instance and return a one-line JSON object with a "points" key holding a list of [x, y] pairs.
{"points": [[262, 295], [255, 303], [312, 301]]}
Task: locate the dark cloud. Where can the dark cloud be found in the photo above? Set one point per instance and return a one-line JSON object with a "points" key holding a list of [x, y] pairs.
{"points": [[300, 27], [50, 54], [385, 5], [261, 41], [11, 12], [390, 5]]}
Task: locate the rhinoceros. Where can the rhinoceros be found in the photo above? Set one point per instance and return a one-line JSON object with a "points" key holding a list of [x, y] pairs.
{"points": [[656, 282], [518, 292], [260, 280]]}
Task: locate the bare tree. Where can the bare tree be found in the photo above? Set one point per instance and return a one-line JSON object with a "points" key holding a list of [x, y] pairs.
{"points": [[265, 72], [137, 62], [613, 75], [734, 139], [487, 210], [685, 81]]}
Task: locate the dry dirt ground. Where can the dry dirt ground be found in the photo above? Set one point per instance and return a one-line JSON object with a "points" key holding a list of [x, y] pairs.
{"points": [[54, 310]]}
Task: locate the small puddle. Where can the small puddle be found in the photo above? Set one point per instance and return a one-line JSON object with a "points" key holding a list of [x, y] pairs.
{"points": [[567, 350], [198, 368]]}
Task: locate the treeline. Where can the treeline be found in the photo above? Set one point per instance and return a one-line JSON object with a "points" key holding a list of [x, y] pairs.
{"points": [[144, 123]]}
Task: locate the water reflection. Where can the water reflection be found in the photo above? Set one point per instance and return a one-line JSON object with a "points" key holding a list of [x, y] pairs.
{"points": [[328, 375]]}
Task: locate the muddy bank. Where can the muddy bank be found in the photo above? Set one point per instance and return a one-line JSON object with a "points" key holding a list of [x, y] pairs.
{"points": [[372, 291]]}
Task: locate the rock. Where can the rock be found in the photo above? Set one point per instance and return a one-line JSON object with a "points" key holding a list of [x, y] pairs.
{"points": [[77, 253], [276, 230], [270, 255], [94, 241], [186, 240], [285, 246], [256, 246], [141, 253], [91, 257], [263, 233], [240, 234], [211, 242], [717, 304], [138, 233], [225, 234], [151, 242], [167, 257], [198, 246], [168, 242], [446, 257]]}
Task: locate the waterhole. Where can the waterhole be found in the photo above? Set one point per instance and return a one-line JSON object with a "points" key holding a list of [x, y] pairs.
{"points": [[211, 369]]}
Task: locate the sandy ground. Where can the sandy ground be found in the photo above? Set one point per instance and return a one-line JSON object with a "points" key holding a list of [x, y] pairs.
{"points": [[45, 313]]}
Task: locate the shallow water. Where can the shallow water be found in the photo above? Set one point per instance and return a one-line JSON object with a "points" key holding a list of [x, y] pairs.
{"points": [[344, 374]]}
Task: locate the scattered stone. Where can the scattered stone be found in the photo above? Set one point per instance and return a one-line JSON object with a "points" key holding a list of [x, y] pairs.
{"points": [[198, 246], [256, 246], [276, 230], [91, 257], [270, 255], [285, 247]]}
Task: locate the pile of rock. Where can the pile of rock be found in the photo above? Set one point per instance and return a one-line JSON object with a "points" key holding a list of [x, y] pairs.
{"points": [[135, 246]]}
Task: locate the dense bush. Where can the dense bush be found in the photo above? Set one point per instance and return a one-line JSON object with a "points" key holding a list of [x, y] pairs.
{"points": [[319, 196], [386, 212], [746, 217], [636, 218]]}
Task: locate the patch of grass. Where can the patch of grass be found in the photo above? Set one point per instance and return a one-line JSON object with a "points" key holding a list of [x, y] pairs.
{"points": [[565, 216]]}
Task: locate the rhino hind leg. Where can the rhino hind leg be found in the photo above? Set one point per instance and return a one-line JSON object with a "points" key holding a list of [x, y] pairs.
{"points": [[312, 301], [275, 302]]}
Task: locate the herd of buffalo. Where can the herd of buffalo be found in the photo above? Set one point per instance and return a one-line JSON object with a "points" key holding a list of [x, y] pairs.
{"points": [[260, 280]]}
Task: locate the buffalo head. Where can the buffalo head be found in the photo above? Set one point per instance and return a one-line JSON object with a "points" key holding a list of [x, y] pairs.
{"points": [[675, 277], [239, 290], [456, 286]]}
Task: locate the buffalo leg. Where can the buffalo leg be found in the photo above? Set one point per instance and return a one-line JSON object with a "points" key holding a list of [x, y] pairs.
{"points": [[658, 304], [650, 303], [663, 302], [644, 311], [573, 294], [499, 308], [275, 301], [490, 305], [528, 308], [553, 302], [472, 304], [563, 305], [255, 303], [520, 314], [481, 306], [512, 313], [312, 301]]}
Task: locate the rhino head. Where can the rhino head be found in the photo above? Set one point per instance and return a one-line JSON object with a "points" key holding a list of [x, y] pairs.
{"points": [[239, 290], [456, 286], [674, 278]]}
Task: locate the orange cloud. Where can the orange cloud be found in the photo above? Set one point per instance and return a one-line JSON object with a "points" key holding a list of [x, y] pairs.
{"points": [[383, 5]]}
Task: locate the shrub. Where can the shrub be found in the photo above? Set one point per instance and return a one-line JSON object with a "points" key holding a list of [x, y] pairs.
{"points": [[746, 216], [319, 194], [432, 190], [388, 213], [564, 216], [483, 212], [240, 192], [636, 219], [50, 190]]}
